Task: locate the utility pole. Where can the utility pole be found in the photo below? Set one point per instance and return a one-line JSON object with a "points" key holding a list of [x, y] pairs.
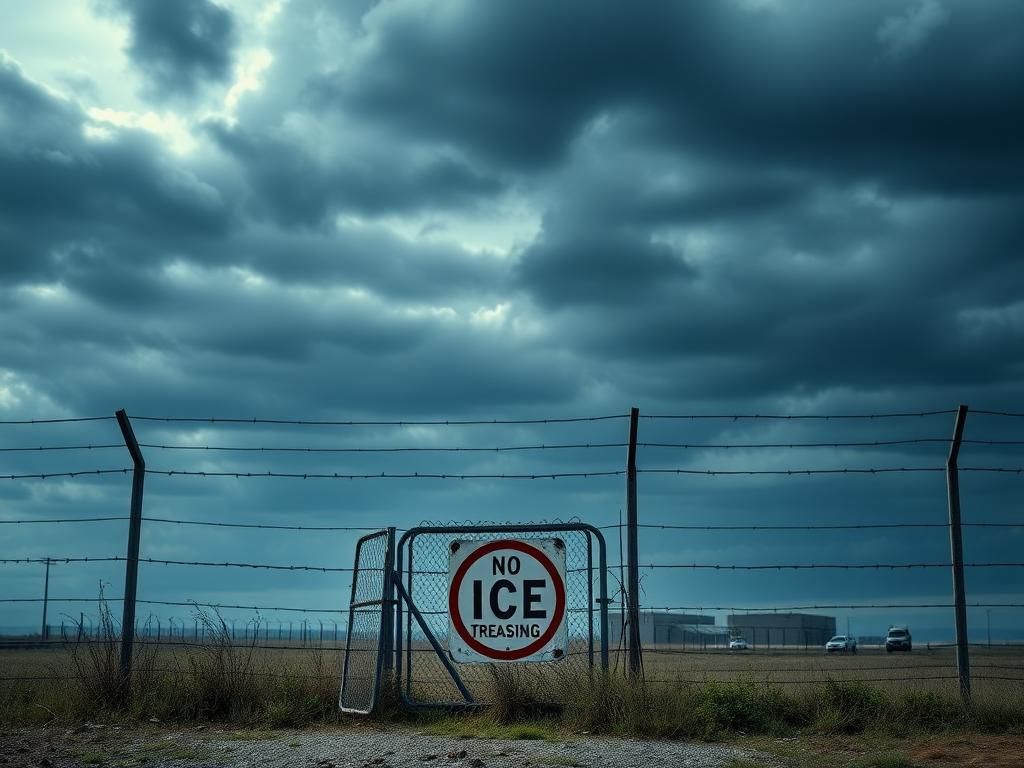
{"points": [[46, 599], [632, 545], [956, 546]]}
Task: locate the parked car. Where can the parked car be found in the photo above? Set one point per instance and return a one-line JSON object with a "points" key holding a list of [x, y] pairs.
{"points": [[738, 644], [841, 644], [898, 639]]}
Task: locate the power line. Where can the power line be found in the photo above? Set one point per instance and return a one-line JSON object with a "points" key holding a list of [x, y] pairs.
{"points": [[999, 413], [412, 423], [798, 417]]}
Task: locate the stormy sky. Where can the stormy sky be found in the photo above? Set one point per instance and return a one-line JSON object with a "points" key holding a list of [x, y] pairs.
{"points": [[429, 211]]}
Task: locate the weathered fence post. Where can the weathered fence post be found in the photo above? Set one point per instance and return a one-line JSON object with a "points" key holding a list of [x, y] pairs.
{"points": [[956, 546], [632, 545], [46, 599], [131, 569]]}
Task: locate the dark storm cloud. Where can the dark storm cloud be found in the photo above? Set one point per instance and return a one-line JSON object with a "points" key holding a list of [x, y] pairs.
{"points": [[180, 46], [728, 206], [59, 188], [811, 86], [296, 187]]}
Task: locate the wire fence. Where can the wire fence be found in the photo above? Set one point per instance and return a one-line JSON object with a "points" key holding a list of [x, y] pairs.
{"points": [[729, 504]]}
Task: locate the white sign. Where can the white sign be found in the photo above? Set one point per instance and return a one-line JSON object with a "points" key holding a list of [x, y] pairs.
{"points": [[506, 600]]}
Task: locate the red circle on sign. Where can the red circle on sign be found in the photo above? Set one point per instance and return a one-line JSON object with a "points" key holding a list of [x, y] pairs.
{"points": [[540, 642]]}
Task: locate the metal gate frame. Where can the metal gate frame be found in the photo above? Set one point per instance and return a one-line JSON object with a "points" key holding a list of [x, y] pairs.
{"points": [[399, 591], [384, 602]]}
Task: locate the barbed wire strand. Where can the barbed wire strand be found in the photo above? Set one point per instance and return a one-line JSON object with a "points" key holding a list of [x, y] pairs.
{"points": [[790, 608], [822, 527], [824, 566], [502, 448], [377, 423], [154, 561], [202, 522], [68, 420], [798, 417], [657, 526]]}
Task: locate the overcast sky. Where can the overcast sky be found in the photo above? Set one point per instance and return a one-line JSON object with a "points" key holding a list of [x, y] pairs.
{"points": [[417, 210]]}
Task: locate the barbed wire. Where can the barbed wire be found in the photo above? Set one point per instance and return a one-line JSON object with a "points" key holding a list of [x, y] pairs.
{"points": [[377, 423], [611, 526], [853, 444], [328, 476], [201, 522], [76, 473], [391, 475], [738, 610], [506, 449], [399, 449], [68, 420], [1010, 470], [1011, 414], [798, 417], [502, 476], [175, 603], [793, 472], [52, 560], [651, 566], [825, 566], [821, 527], [25, 449]]}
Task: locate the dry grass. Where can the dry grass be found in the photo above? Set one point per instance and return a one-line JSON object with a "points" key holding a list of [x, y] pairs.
{"points": [[705, 695]]}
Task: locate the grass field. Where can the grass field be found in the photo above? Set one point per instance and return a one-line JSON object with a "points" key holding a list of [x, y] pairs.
{"points": [[693, 694]]}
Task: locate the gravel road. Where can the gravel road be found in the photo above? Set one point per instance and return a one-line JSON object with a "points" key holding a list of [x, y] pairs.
{"points": [[344, 748]]}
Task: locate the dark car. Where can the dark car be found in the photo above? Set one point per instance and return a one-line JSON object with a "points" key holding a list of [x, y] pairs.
{"points": [[898, 639]]}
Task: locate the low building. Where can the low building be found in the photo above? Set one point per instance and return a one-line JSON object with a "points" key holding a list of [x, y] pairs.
{"points": [[669, 628], [780, 630]]}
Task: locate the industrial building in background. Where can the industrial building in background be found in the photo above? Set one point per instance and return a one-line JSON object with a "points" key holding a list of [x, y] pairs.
{"points": [[776, 630], [683, 630]]}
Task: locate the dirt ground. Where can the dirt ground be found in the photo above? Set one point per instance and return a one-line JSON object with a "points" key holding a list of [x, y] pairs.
{"points": [[931, 751], [198, 747]]}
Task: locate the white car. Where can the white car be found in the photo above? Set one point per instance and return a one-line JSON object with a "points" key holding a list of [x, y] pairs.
{"points": [[738, 644], [841, 644]]}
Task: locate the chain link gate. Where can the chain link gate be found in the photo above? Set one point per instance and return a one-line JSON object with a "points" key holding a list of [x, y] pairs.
{"points": [[367, 638], [426, 675]]}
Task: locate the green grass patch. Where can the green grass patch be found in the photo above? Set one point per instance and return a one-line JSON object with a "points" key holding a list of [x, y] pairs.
{"points": [[883, 760], [251, 736], [486, 727]]}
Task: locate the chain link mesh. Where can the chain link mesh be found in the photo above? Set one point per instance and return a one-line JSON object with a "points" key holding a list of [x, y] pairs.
{"points": [[424, 574], [361, 678]]}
